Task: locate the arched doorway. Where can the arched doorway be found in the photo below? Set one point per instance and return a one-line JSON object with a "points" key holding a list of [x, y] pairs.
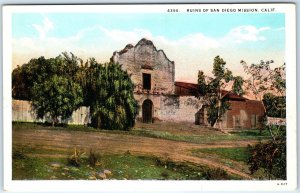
{"points": [[147, 109]]}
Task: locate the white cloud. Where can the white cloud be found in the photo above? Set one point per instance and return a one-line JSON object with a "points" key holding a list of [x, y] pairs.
{"points": [[119, 35], [247, 33], [45, 28]]}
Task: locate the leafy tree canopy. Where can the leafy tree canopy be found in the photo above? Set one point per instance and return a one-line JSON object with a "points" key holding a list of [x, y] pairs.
{"points": [[275, 105], [262, 78], [52, 88], [113, 105], [58, 86], [57, 97], [40, 69]]}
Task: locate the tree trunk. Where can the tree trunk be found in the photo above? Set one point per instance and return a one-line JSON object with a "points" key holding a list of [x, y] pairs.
{"points": [[219, 108], [54, 121]]}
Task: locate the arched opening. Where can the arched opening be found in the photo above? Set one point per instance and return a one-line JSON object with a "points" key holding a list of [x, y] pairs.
{"points": [[147, 109]]}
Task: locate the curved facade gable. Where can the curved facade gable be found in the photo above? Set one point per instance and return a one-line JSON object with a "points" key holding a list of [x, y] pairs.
{"points": [[144, 60]]}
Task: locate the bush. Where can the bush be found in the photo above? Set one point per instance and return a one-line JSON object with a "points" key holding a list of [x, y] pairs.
{"points": [[18, 154], [275, 105], [165, 175], [217, 174], [93, 158], [76, 159], [270, 156]]}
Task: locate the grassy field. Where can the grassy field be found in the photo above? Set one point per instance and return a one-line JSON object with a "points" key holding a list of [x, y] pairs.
{"points": [[241, 135], [240, 154], [113, 166], [250, 134], [174, 152]]}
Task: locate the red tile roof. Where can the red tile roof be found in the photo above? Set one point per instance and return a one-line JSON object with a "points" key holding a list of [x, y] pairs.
{"points": [[232, 96], [187, 85], [191, 89]]}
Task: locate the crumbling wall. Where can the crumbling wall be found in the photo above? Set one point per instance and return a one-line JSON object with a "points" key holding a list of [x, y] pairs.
{"points": [[145, 58], [22, 111], [243, 115], [170, 107], [180, 108], [156, 104], [276, 121]]}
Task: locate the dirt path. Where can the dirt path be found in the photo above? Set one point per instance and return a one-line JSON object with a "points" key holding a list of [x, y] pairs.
{"points": [[118, 143]]}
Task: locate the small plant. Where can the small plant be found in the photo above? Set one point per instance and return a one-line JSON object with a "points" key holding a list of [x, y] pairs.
{"points": [[165, 174], [217, 174], [127, 153], [18, 154], [76, 158], [94, 158]]}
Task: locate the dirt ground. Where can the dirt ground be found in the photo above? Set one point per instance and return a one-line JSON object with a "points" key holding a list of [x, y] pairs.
{"points": [[178, 128], [64, 140]]}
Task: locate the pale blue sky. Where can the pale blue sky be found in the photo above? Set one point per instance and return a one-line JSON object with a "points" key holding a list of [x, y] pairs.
{"points": [[191, 40], [171, 25]]}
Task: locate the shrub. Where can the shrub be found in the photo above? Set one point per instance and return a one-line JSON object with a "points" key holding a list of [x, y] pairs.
{"points": [[275, 105], [76, 158], [217, 174], [270, 156], [165, 174], [18, 154], [93, 158]]}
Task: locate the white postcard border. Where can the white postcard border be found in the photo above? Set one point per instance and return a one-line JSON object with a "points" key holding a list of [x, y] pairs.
{"points": [[146, 186]]}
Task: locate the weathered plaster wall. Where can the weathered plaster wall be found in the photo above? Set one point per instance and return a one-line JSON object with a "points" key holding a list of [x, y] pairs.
{"points": [[179, 108], [276, 121], [145, 58], [156, 104], [243, 114], [22, 111], [171, 108]]}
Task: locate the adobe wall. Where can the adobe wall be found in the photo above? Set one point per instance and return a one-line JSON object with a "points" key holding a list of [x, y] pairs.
{"points": [[166, 108], [248, 112], [170, 107], [22, 111], [180, 108], [276, 121], [156, 104], [145, 58]]}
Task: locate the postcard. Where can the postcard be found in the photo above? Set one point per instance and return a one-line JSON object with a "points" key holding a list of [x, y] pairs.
{"points": [[149, 97]]}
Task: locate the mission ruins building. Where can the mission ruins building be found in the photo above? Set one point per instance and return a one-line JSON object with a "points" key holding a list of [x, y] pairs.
{"points": [[160, 97]]}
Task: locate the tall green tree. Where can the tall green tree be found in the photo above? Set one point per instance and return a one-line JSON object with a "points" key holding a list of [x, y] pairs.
{"points": [[85, 76], [50, 85], [23, 77], [40, 69], [237, 86], [212, 90], [113, 106], [56, 97]]}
